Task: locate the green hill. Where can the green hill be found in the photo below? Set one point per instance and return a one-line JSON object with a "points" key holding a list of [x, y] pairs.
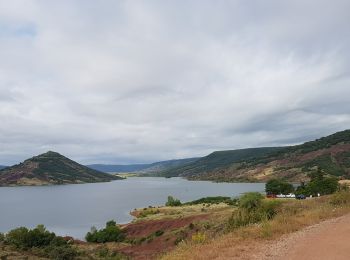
{"points": [[330, 154], [51, 168], [218, 160]]}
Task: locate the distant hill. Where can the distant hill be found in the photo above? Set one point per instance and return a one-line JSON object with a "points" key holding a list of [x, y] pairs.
{"points": [[112, 168], [330, 154], [142, 168], [51, 168], [2, 167]]}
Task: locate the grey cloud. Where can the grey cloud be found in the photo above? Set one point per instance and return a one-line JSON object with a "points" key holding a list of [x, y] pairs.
{"points": [[135, 81]]}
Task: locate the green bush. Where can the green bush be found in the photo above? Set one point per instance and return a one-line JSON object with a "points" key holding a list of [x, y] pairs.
{"points": [[2, 237], [111, 233], [172, 202], [159, 233], [250, 201], [252, 209], [41, 240], [18, 237]]}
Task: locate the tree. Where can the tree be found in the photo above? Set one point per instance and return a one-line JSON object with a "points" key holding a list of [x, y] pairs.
{"points": [[111, 233], [318, 184], [277, 186], [172, 202]]}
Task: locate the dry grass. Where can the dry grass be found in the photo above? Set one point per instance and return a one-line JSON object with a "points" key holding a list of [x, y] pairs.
{"points": [[242, 243], [180, 211]]}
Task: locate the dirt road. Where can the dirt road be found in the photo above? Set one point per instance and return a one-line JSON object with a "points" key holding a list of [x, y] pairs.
{"points": [[329, 240]]}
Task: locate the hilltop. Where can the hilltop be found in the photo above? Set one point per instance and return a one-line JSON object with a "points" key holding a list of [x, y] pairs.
{"points": [[48, 169], [330, 154]]}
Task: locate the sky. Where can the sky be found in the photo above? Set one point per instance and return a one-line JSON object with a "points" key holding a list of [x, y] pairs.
{"points": [[141, 81]]}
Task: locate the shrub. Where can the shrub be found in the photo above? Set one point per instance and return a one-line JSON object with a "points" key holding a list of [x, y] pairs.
{"points": [[45, 242], [103, 252], [250, 201], [159, 233], [340, 198], [2, 237], [111, 233], [252, 209], [243, 217], [24, 238], [149, 211], [17, 237], [198, 237], [269, 209], [172, 202], [62, 252]]}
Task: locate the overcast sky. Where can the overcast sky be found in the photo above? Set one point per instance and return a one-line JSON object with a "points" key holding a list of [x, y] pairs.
{"points": [[142, 81]]}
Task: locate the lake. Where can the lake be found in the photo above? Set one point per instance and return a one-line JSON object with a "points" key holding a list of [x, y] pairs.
{"points": [[73, 209]]}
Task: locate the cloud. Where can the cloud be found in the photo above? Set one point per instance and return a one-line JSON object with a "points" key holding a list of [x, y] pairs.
{"points": [[136, 81]]}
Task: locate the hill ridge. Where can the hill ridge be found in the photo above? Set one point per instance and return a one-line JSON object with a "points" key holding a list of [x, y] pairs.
{"points": [[331, 154]]}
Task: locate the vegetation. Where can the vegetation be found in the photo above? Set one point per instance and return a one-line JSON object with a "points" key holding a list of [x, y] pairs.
{"points": [[319, 184], [111, 233], [198, 237], [277, 186], [172, 202], [217, 160], [325, 163], [148, 211], [41, 241], [252, 209], [250, 201], [213, 200], [291, 163], [289, 216]]}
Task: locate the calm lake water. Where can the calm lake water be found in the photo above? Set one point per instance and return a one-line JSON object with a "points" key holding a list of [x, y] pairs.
{"points": [[73, 209]]}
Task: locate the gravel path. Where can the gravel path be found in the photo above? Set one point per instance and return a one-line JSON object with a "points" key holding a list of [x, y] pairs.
{"points": [[328, 240]]}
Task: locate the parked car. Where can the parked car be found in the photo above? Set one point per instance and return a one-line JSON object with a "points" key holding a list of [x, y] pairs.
{"points": [[280, 196], [300, 197], [290, 195]]}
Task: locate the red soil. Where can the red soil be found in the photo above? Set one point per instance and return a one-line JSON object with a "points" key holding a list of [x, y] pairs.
{"points": [[160, 244]]}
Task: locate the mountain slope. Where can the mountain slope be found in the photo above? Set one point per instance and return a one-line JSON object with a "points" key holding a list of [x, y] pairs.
{"points": [[330, 154], [142, 168], [2, 167], [218, 160], [157, 167], [51, 168]]}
